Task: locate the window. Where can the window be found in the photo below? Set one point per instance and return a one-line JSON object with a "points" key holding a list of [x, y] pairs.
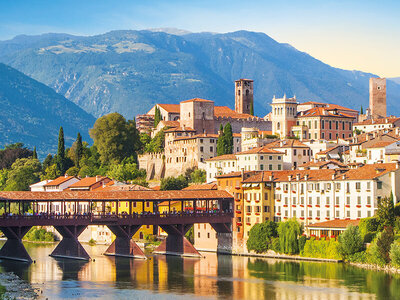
{"points": [[201, 141], [358, 185], [302, 200], [261, 157], [294, 200], [248, 208], [279, 167], [261, 167], [266, 196], [359, 214], [348, 214], [338, 185], [337, 214], [368, 185], [337, 200], [270, 167], [266, 209], [379, 185], [211, 149], [327, 200], [201, 149], [347, 200], [369, 200], [359, 200], [309, 201], [294, 152], [318, 200]]}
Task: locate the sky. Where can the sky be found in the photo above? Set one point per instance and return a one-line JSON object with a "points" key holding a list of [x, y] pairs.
{"points": [[350, 34]]}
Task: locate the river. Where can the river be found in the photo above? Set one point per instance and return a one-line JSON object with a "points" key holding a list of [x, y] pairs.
{"points": [[212, 277]]}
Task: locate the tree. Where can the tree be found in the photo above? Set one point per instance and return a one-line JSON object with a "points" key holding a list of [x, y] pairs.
{"points": [[384, 242], [220, 141], [252, 108], [61, 152], [79, 150], [395, 254], [157, 143], [51, 172], [157, 116], [47, 161], [115, 138], [228, 139], [126, 171], [198, 176], [34, 154], [11, 153], [289, 232], [73, 171], [361, 110], [23, 173], [172, 183], [367, 225], [350, 241], [260, 236], [385, 213]]}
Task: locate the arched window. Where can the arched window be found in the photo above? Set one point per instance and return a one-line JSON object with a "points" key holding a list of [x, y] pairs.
{"points": [[238, 92], [278, 126], [247, 92]]}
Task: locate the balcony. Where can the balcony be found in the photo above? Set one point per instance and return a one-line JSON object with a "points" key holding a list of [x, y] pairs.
{"points": [[238, 224], [293, 205], [358, 206], [238, 212], [327, 205], [348, 205], [285, 205]]}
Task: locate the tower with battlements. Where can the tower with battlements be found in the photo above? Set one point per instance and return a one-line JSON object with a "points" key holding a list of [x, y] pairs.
{"points": [[244, 96], [377, 97]]}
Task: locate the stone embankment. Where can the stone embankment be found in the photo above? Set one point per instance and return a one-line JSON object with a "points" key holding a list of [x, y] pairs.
{"points": [[16, 288]]}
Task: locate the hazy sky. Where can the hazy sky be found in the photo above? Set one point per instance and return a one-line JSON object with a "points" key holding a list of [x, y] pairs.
{"points": [[362, 35]]}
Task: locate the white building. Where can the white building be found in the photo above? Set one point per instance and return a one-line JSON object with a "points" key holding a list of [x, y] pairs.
{"points": [[260, 159], [39, 186], [219, 165], [376, 124], [296, 153]]}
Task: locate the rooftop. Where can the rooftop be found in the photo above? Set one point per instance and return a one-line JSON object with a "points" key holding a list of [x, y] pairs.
{"points": [[342, 224], [60, 180], [261, 150], [116, 195], [88, 181], [378, 121], [223, 157], [171, 108], [204, 186], [197, 100]]}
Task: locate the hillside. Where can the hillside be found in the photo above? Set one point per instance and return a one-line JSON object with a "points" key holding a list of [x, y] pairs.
{"points": [[129, 71], [32, 113]]}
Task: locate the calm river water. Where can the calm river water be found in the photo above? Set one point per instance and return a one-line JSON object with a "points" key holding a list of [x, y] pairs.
{"points": [[213, 277]]}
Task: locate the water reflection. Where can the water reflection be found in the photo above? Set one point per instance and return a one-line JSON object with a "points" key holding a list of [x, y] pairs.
{"points": [[212, 277]]}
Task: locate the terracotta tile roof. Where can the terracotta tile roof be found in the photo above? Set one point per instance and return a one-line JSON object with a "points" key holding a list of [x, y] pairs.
{"points": [[228, 175], [236, 135], [156, 188], [166, 203], [312, 102], [319, 164], [223, 157], [342, 224], [261, 150], [88, 182], [327, 150], [288, 143], [369, 171], [59, 180], [125, 187], [197, 100], [322, 112], [278, 176], [265, 132], [225, 111], [179, 129], [204, 186], [378, 121], [170, 123], [329, 106], [380, 144], [116, 195], [171, 108], [366, 172]]}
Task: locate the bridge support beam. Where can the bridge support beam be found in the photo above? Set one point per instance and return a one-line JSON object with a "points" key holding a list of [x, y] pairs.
{"points": [[176, 243], [69, 247], [123, 244], [13, 248]]}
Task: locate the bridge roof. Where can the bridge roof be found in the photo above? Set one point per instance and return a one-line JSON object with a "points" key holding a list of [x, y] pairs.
{"points": [[116, 195]]}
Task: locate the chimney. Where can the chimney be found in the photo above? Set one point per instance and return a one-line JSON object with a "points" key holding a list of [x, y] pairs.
{"points": [[298, 177], [242, 174], [306, 177], [66, 175], [271, 177], [344, 176], [290, 177], [98, 177]]}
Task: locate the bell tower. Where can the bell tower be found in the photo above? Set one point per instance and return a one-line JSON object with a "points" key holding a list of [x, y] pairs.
{"points": [[244, 96], [377, 97]]}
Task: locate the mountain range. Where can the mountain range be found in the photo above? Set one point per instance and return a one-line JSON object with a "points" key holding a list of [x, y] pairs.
{"points": [[32, 113], [129, 71]]}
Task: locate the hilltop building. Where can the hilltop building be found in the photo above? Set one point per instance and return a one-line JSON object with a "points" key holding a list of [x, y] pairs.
{"points": [[377, 97]]}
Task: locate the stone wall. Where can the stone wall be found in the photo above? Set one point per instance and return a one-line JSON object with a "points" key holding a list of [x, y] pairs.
{"points": [[154, 164]]}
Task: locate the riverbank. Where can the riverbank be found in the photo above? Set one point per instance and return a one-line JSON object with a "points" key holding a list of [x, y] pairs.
{"points": [[289, 257], [16, 288]]}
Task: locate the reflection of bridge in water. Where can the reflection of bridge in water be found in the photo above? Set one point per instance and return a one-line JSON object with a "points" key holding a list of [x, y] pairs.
{"points": [[213, 207]]}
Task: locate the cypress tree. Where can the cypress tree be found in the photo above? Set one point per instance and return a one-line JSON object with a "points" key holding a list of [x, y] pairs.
{"points": [[34, 155], [221, 142], [157, 116], [228, 139], [361, 110], [79, 149], [61, 152], [252, 108]]}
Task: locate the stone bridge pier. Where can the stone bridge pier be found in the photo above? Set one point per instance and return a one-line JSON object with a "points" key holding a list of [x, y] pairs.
{"points": [[13, 248], [123, 244], [70, 247]]}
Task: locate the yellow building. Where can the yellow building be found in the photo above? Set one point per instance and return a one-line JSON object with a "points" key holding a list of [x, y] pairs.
{"points": [[137, 207], [258, 200]]}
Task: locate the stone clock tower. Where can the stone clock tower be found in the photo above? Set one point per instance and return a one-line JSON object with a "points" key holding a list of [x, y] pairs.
{"points": [[244, 96]]}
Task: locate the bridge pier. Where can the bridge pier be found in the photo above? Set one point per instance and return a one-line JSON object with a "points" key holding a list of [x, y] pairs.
{"points": [[123, 244], [69, 247], [176, 243], [13, 248]]}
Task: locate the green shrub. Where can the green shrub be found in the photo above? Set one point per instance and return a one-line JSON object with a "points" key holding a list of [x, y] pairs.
{"points": [[260, 236], [321, 248], [289, 232], [397, 210], [395, 254], [350, 241], [275, 245], [367, 225], [369, 236], [358, 257], [302, 242], [378, 252]]}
